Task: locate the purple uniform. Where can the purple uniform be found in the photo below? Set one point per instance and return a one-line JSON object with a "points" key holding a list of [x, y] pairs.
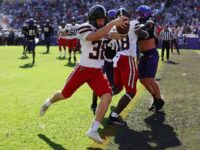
{"points": [[148, 60], [32, 33], [148, 63]]}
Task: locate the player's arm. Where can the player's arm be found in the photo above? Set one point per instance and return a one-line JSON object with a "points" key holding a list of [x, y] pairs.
{"points": [[116, 35], [99, 34], [141, 33]]}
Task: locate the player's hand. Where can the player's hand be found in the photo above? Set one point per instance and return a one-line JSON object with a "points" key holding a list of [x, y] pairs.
{"points": [[121, 21]]}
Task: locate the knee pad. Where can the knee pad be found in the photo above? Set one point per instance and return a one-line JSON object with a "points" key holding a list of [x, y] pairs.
{"points": [[130, 95]]}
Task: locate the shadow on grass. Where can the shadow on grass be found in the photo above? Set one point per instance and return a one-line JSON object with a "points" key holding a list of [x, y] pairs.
{"points": [[172, 62], [44, 53], [23, 57], [27, 66], [93, 148], [70, 64], [61, 58], [160, 136], [52, 144]]}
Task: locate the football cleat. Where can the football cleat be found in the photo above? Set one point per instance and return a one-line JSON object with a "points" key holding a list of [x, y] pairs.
{"points": [[116, 121], [157, 105], [43, 109], [94, 136]]}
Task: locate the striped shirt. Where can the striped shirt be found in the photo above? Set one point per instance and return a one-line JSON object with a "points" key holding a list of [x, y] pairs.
{"points": [[165, 35]]}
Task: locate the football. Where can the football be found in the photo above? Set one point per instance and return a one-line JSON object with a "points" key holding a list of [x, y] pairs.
{"points": [[124, 30]]}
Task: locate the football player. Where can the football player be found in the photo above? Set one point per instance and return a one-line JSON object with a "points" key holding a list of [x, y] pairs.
{"points": [[31, 36], [125, 70], [25, 34], [48, 32], [71, 30], [110, 52], [149, 57], [62, 38], [91, 35]]}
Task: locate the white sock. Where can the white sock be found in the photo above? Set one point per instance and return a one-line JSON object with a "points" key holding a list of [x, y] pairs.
{"points": [[60, 53], [48, 102], [114, 114], [65, 53], [95, 125]]}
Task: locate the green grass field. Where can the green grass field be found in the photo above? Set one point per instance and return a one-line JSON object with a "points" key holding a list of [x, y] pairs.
{"points": [[23, 90]]}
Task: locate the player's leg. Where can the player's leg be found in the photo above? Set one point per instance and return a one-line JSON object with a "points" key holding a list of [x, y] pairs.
{"points": [[172, 45], [69, 42], [143, 60], [101, 86], [24, 47], [48, 40], [33, 51], [167, 49], [109, 70], [129, 79], [33, 55], [60, 43], [158, 102], [74, 81], [150, 72], [94, 103], [163, 51], [118, 86], [176, 46], [70, 55], [74, 43], [64, 46]]}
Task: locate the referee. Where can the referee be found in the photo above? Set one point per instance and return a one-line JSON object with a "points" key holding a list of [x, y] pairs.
{"points": [[165, 36]]}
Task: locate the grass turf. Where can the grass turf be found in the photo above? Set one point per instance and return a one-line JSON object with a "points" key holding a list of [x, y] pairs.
{"points": [[178, 126], [24, 89]]}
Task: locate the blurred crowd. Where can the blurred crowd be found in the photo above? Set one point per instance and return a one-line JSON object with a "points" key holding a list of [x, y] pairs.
{"points": [[183, 14]]}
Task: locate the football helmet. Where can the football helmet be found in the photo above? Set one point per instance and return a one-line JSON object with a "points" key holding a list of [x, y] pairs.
{"points": [[123, 12], [97, 12]]}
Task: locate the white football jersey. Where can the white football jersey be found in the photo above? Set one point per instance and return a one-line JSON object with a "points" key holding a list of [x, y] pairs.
{"points": [[92, 52], [72, 30], [62, 31], [127, 46]]}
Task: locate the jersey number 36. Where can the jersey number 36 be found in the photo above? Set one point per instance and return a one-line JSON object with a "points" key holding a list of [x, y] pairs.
{"points": [[98, 50]]}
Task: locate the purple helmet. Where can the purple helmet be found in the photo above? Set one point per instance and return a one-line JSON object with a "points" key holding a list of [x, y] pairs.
{"points": [[31, 22], [144, 11], [112, 13]]}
